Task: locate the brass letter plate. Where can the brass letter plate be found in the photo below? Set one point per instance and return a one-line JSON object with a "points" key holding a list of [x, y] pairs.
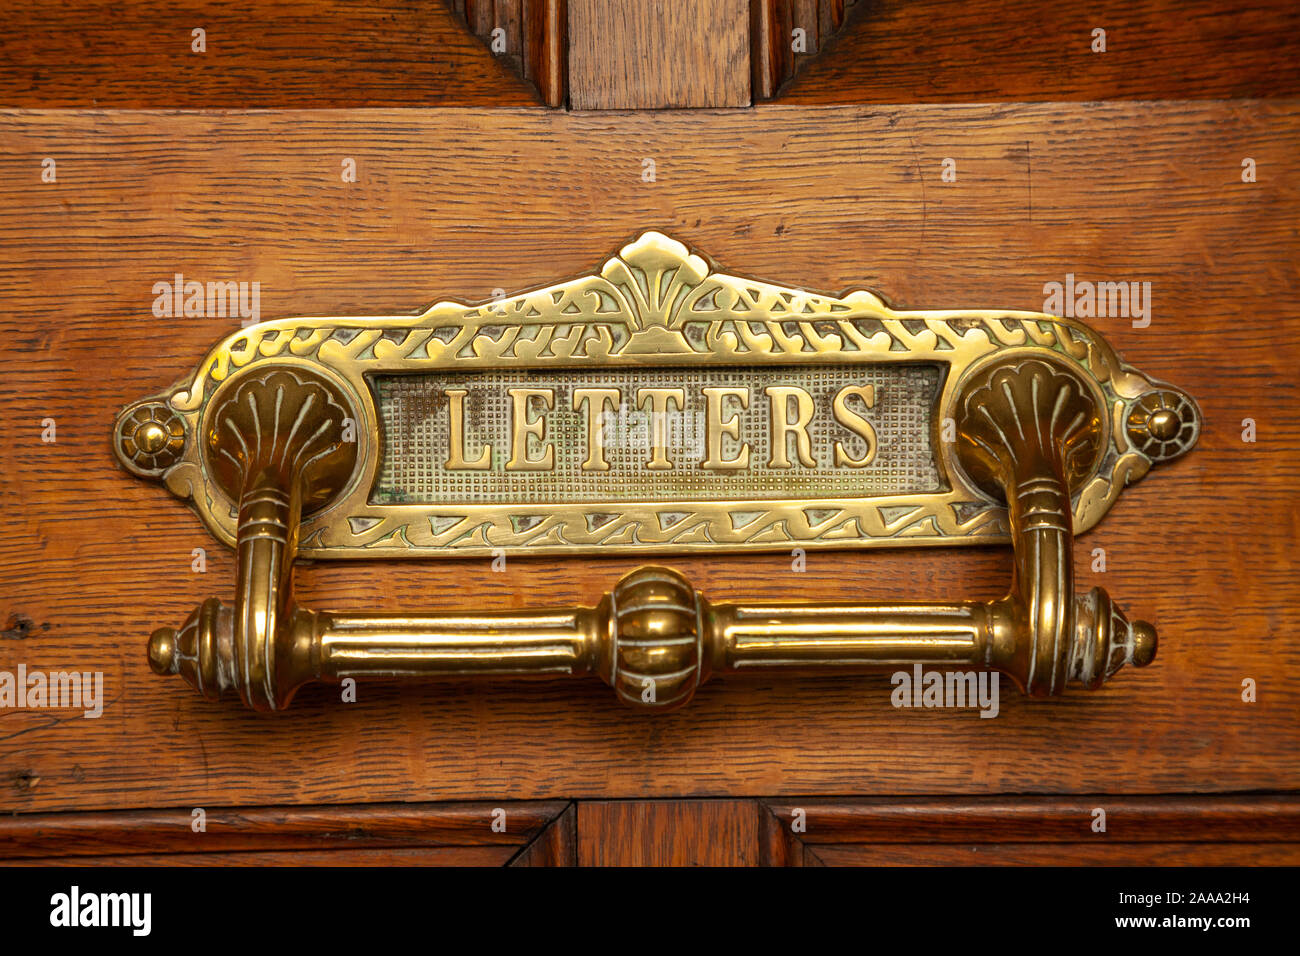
{"points": [[656, 405]]}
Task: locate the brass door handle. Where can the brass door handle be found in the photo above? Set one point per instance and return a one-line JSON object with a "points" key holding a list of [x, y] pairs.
{"points": [[1028, 428], [336, 437]]}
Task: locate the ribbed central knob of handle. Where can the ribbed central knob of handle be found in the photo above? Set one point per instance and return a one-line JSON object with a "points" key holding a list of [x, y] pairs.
{"points": [[653, 654]]}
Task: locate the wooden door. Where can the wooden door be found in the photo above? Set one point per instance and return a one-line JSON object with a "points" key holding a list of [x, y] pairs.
{"points": [[947, 155]]}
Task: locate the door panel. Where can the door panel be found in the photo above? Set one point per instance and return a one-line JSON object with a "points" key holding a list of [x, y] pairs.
{"points": [[1254, 830], [962, 51], [448, 834], [1229, 830], [458, 203]]}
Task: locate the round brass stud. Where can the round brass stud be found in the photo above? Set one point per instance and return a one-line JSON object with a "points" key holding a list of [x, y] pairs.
{"points": [[150, 438], [1163, 424]]}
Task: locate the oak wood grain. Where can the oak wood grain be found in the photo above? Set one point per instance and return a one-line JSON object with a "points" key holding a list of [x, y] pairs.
{"points": [[265, 53], [91, 559], [555, 845], [1168, 830], [648, 55], [1057, 854], [1224, 830], [668, 833], [456, 856], [275, 829], [938, 51], [546, 49], [1056, 819], [777, 51], [772, 61], [532, 39], [372, 53]]}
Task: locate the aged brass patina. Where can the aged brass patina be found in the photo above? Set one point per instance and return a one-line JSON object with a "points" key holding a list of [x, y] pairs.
{"points": [[768, 418]]}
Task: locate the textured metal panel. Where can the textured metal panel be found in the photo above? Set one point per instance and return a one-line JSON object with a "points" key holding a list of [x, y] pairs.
{"points": [[415, 427]]}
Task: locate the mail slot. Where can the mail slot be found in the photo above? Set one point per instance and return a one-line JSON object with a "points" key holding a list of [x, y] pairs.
{"points": [[657, 434], [657, 404]]}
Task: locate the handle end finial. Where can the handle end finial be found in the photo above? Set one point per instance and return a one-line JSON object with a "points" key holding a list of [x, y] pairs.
{"points": [[162, 651], [656, 657], [1145, 643]]}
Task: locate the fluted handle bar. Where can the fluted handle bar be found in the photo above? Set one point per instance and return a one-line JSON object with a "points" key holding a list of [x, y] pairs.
{"points": [[654, 638], [1028, 430]]}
